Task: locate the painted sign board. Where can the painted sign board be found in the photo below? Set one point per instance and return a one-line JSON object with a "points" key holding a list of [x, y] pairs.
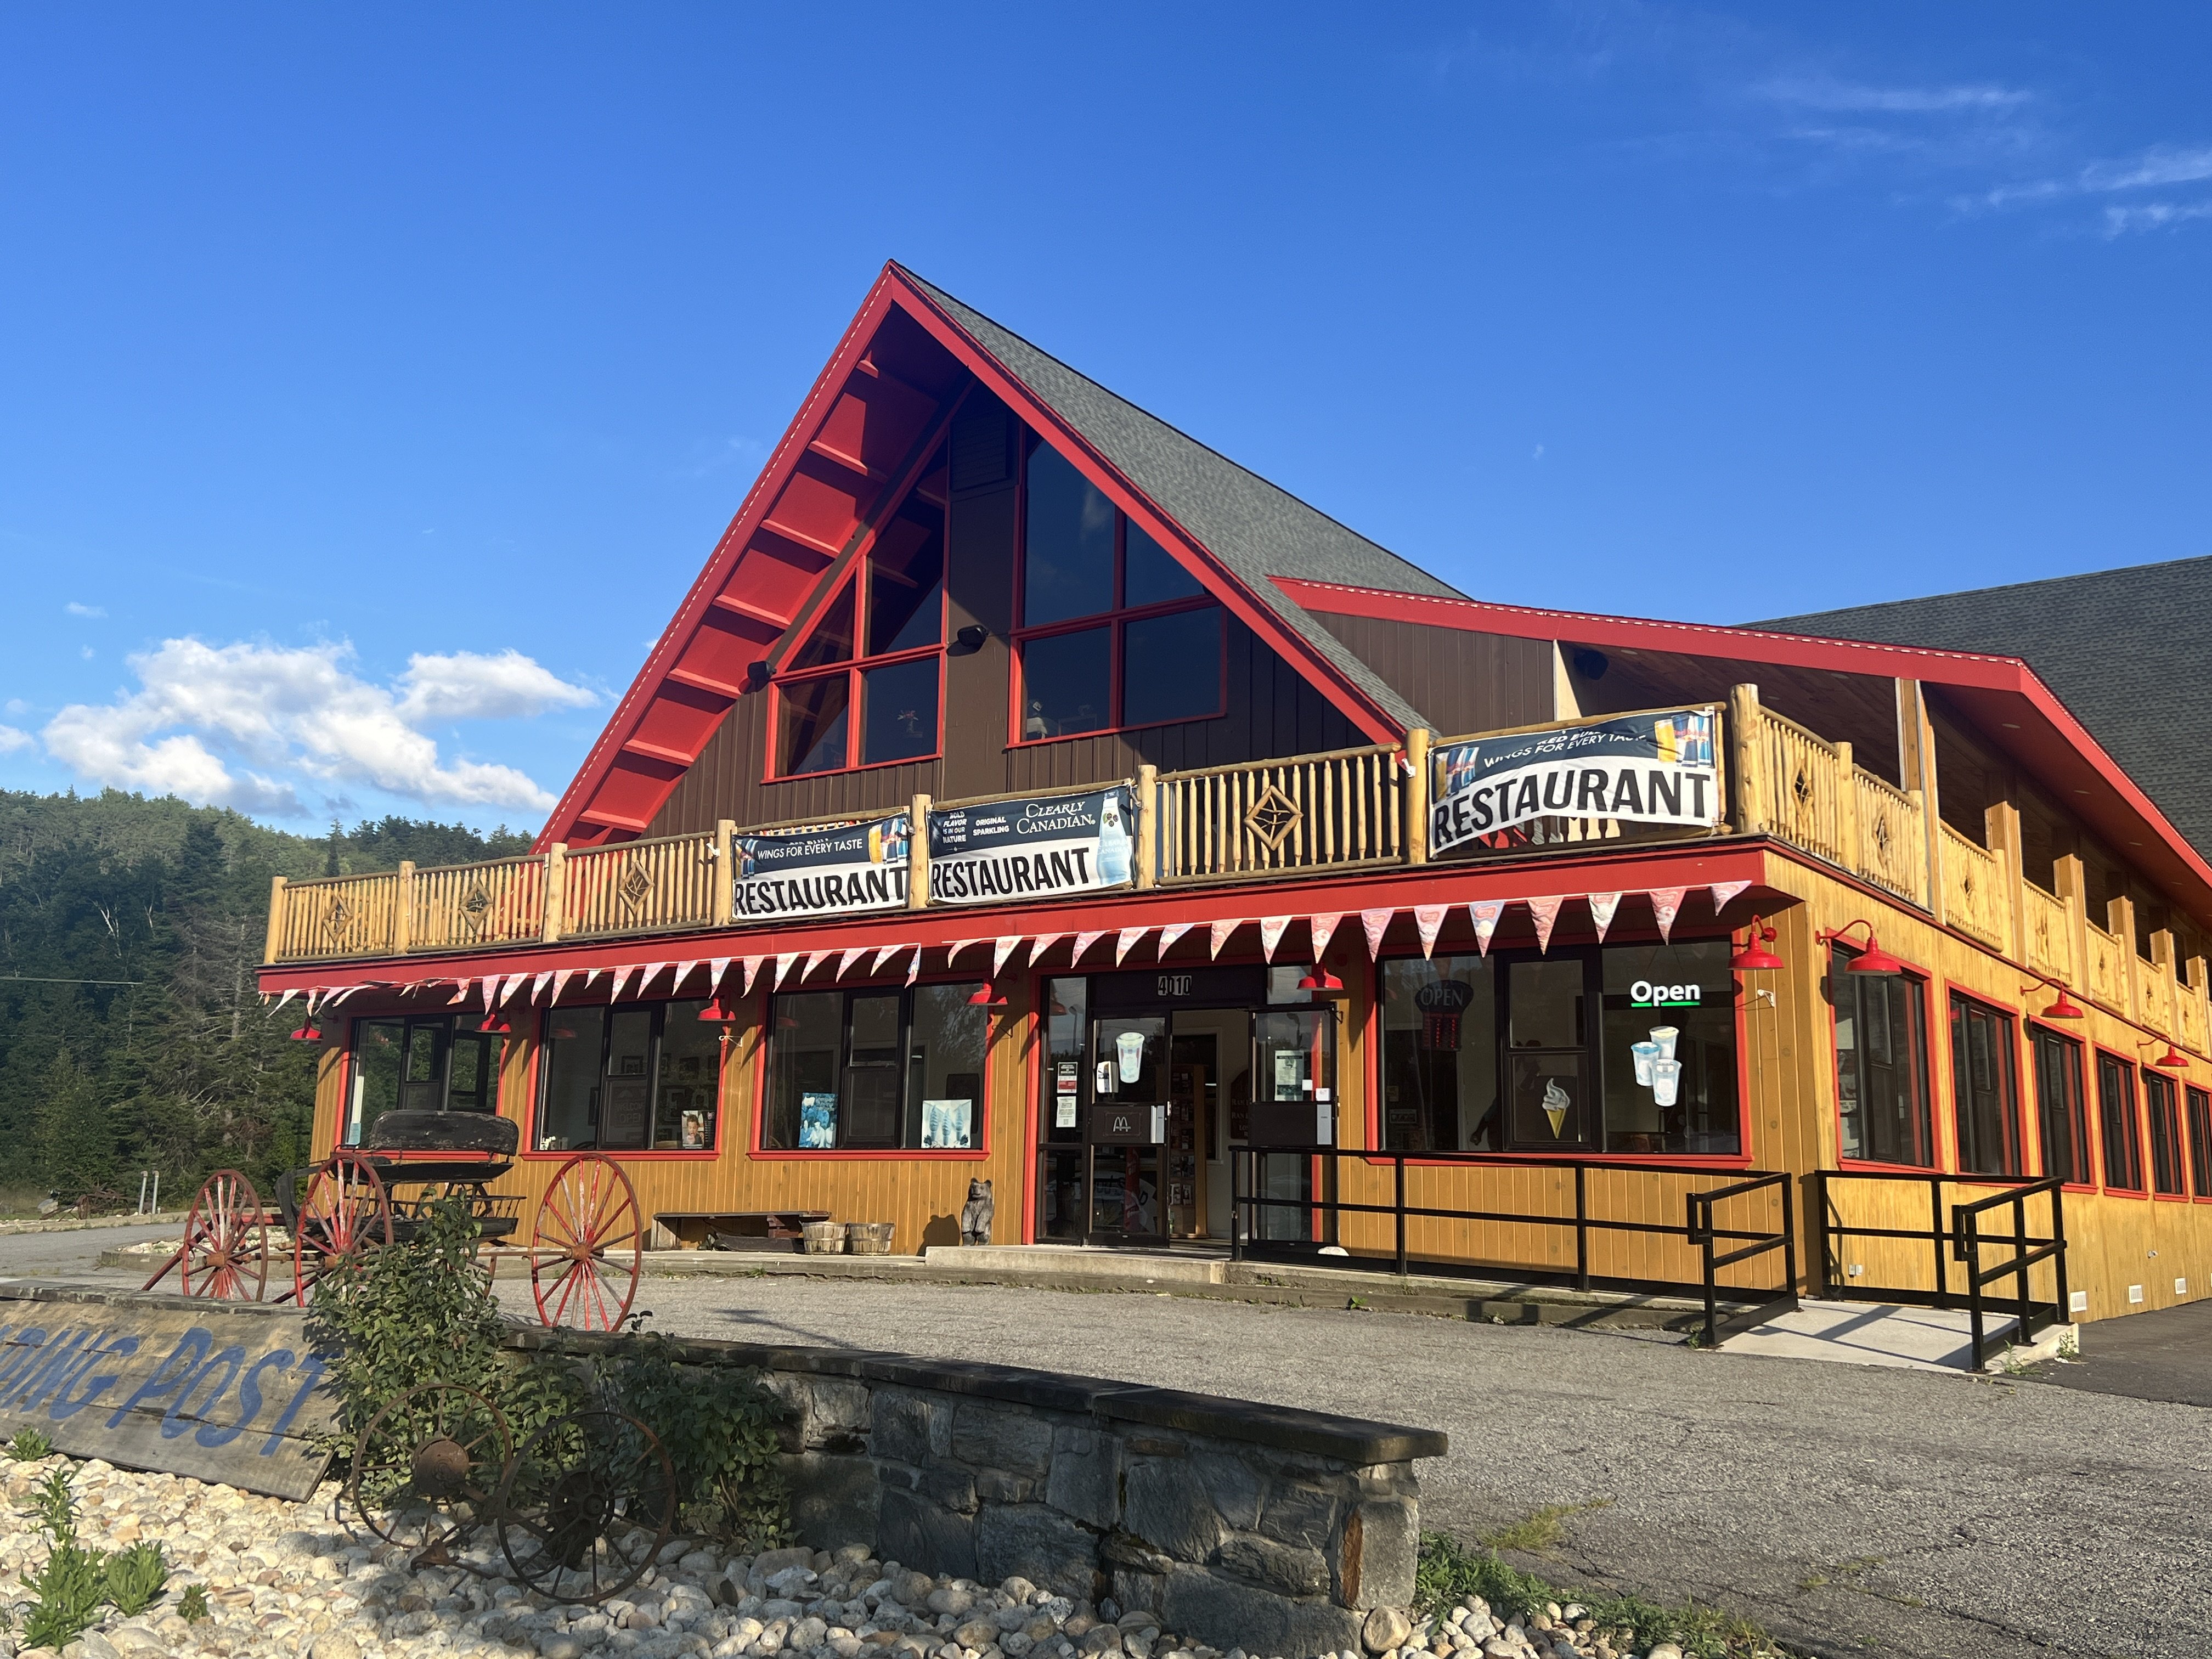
{"points": [[831, 870], [1038, 847], [229, 1395], [1656, 768]]}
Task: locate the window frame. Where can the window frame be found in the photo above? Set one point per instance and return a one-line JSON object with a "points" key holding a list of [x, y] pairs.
{"points": [[1115, 619], [352, 1074], [2126, 1068], [2079, 1132], [2196, 1124], [2155, 1083], [1958, 1000], [540, 1078], [854, 669], [764, 1068], [1921, 981]]}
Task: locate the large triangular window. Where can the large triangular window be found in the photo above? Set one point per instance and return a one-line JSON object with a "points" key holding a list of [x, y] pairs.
{"points": [[1113, 633], [864, 687]]}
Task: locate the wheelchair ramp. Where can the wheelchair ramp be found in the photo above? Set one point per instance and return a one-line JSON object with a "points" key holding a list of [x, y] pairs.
{"points": [[1885, 1334]]}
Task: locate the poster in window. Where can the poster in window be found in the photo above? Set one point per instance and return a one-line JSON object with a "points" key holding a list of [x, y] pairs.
{"points": [[828, 870], [624, 1122], [1290, 1074], [948, 1123], [1656, 767], [1066, 1082], [818, 1120], [1039, 847], [695, 1132]]}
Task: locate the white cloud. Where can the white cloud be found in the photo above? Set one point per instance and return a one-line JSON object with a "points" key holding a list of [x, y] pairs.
{"points": [[77, 610], [2161, 167], [1975, 98], [2152, 215], [213, 723], [11, 739]]}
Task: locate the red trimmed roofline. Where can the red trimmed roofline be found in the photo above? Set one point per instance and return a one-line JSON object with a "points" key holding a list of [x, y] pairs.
{"points": [[1965, 669]]}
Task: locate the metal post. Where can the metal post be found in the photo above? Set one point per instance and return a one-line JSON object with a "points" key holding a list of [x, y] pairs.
{"points": [[1235, 1205], [2020, 1256], [157, 1193], [2058, 1238], [1817, 1183], [1788, 1240], [1940, 1234], [1582, 1227], [1400, 1170], [1970, 1247]]}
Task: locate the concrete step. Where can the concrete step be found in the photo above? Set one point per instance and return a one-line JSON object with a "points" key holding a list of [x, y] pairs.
{"points": [[1886, 1334]]}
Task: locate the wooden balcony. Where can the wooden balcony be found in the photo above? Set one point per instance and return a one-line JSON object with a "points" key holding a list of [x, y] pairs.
{"points": [[1349, 810]]}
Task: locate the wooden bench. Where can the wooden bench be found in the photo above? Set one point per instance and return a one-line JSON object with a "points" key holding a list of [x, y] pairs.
{"points": [[731, 1230]]}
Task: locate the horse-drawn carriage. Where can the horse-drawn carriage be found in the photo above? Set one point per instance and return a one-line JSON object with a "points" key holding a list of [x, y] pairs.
{"points": [[586, 1240]]}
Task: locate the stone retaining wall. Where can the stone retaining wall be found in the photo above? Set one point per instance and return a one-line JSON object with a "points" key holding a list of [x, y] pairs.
{"points": [[1239, 1523]]}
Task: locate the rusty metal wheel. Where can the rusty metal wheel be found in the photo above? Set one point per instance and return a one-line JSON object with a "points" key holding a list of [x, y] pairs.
{"points": [[586, 1246], [226, 1250], [346, 1213], [426, 1467], [586, 1505]]}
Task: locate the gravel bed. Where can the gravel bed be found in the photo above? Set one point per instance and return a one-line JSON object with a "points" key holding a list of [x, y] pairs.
{"points": [[287, 1578]]}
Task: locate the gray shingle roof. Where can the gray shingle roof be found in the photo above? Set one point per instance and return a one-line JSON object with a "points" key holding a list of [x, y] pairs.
{"points": [[1256, 529], [2122, 648]]}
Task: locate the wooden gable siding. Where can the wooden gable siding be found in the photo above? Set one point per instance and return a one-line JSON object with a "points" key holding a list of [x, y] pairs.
{"points": [[1462, 682]]}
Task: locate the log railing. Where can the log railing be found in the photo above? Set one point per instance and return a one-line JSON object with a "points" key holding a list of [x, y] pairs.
{"points": [[1349, 810], [1340, 811]]}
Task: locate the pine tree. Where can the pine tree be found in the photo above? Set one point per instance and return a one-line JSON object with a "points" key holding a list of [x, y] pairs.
{"points": [[75, 1140]]}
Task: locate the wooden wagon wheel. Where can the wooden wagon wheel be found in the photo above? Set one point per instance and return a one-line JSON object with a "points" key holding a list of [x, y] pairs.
{"points": [[346, 1213], [226, 1250], [587, 1503], [586, 1246], [426, 1467]]}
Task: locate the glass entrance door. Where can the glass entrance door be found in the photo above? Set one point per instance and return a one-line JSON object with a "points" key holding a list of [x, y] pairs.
{"points": [[1293, 1105], [1128, 1120]]}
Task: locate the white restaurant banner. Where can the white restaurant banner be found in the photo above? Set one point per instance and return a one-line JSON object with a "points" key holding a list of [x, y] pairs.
{"points": [[1656, 767], [822, 872], [1042, 846]]}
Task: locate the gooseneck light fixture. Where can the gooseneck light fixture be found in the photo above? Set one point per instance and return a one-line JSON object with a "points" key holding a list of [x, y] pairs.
{"points": [[1751, 957], [1872, 959], [2171, 1061], [2062, 1005]]}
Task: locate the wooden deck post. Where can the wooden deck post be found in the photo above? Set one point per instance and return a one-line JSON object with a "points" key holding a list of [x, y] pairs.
{"points": [[556, 892], [1416, 795], [1847, 810], [2195, 986], [1148, 831], [725, 872], [1743, 760], [1916, 765], [275, 940], [917, 854], [2163, 964], [2001, 831], [2120, 923], [402, 910], [2073, 892]]}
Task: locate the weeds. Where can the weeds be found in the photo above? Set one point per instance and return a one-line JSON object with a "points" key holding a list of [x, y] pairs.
{"points": [[193, 1607], [1448, 1572], [74, 1583], [29, 1446], [1539, 1532]]}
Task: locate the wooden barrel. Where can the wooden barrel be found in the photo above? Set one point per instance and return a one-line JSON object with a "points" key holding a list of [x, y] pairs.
{"points": [[825, 1237], [870, 1237]]}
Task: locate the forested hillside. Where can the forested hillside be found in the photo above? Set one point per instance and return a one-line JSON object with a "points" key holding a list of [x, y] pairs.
{"points": [[131, 1035]]}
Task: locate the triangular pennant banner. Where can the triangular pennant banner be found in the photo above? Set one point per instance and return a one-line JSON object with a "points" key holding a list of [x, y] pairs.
{"points": [[514, 982], [286, 997], [784, 964], [1001, 948], [1724, 891], [1126, 941], [1545, 913], [1428, 919], [1219, 937], [846, 959], [1041, 943], [717, 970], [538, 986], [1083, 942], [1665, 905], [884, 956], [314, 995], [682, 972], [1484, 914], [591, 977], [490, 992], [1603, 906], [561, 979], [461, 989], [748, 970], [914, 965], [957, 947], [1270, 934], [1170, 934], [1377, 923], [1321, 929]]}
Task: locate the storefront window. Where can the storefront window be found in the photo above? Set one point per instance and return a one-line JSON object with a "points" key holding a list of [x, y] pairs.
{"points": [[1440, 1056], [1669, 1050], [1655, 1071], [1882, 1064], [2162, 1105], [2061, 1106], [2200, 1143], [876, 1070], [2116, 1118], [1984, 1090], [421, 1063], [646, 1077]]}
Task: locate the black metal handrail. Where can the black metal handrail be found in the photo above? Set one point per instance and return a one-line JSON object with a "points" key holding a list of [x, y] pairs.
{"points": [[1967, 1239], [1246, 1205], [1959, 1239]]}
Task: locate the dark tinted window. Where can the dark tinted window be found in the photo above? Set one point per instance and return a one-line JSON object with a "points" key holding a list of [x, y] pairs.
{"points": [[2162, 1106], [1067, 568], [831, 639], [812, 737], [1881, 1065], [1171, 667], [1066, 683], [899, 707], [906, 582], [2115, 1119], [1986, 1090], [2062, 1109], [2200, 1143], [1149, 576]]}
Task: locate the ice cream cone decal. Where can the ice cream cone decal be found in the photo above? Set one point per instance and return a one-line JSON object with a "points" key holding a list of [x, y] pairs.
{"points": [[1556, 1106]]}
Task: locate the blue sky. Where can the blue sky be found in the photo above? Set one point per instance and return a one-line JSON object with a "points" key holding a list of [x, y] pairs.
{"points": [[373, 380]]}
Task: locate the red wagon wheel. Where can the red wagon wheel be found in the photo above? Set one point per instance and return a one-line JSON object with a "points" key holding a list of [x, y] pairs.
{"points": [[226, 1252], [346, 1213], [586, 1246]]}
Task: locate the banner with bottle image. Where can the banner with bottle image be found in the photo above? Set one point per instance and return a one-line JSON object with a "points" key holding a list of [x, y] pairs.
{"points": [[1656, 768], [834, 870], [1043, 845]]}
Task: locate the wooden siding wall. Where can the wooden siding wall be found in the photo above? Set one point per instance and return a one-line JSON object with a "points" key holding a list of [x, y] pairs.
{"points": [[1462, 682]]}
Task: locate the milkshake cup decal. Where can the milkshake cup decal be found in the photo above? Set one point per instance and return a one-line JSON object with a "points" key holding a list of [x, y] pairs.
{"points": [[1664, 1035], [1666, 1080], [1644, 1053]]}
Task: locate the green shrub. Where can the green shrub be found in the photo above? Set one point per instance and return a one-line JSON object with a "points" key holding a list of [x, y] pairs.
{"points": [[718, 1422]]}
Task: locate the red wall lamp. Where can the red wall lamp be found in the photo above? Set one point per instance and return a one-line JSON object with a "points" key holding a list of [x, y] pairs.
{"points": [[2171, 1061], [1751, 957], [1872, 960], [2062, 1006], [987, 995]]}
